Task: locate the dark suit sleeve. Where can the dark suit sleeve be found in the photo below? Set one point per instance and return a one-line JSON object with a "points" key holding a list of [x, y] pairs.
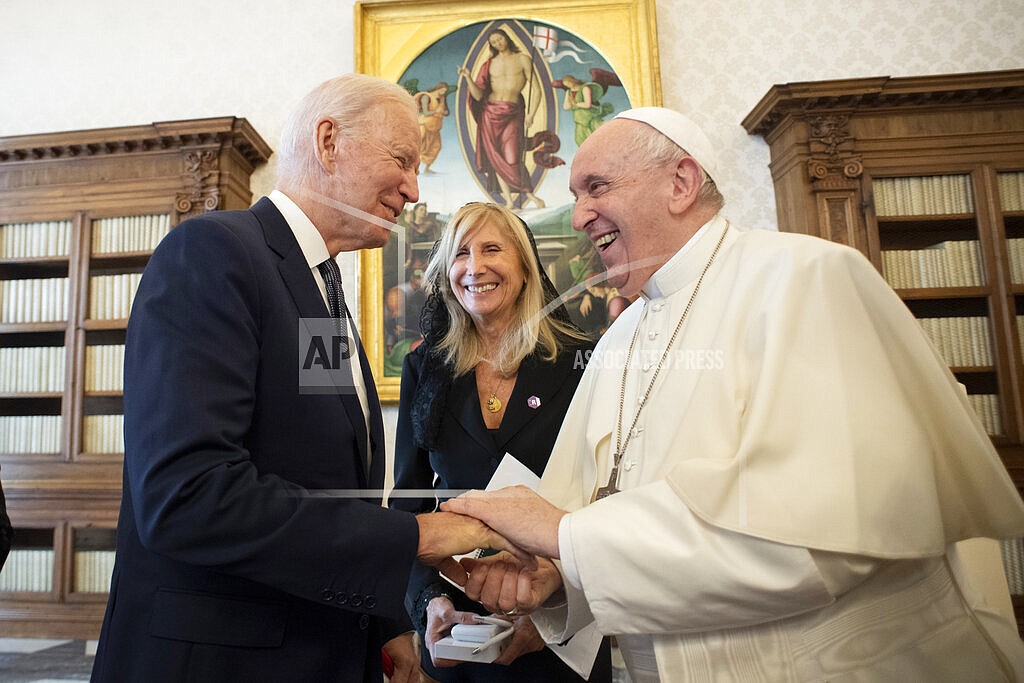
{"points": [[193, 351]]}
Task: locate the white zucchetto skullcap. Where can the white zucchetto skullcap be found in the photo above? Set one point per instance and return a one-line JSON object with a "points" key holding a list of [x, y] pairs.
{"points": [[680, 130]]}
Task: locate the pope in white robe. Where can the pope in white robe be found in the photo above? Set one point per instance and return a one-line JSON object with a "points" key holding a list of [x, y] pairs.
{"points": [[797, 462]]}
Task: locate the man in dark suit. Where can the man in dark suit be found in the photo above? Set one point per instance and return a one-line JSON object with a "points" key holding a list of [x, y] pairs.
{"points": [[234, 562], [6, 533]]}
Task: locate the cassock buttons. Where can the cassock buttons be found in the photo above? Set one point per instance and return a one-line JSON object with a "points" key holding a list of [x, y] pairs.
{"points": [[326, 595], [364, 622], [370, 602], [341, 598], [355, 600]]}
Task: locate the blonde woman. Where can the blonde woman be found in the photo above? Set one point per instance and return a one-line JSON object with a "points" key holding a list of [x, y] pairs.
{"points": [[494, 375]]}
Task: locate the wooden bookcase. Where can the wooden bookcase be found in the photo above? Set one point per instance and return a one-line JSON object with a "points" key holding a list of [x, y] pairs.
{"points": [[925, 176], [80, 213]]}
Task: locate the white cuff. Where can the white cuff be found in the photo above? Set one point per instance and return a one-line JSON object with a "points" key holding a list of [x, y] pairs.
{"points": [[568, 558]]}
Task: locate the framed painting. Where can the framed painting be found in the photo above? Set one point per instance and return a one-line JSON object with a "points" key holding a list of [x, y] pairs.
{"points": [[506, 92]]}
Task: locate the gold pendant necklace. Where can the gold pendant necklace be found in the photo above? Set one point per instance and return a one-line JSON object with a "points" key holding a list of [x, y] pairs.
{"points": [[620, 446], [493, 403]]}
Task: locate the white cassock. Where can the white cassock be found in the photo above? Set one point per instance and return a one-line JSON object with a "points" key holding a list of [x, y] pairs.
{"points": [[794, 487]]}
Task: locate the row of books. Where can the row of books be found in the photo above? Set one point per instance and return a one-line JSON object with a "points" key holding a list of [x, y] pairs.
{"points": [[1015, 254], [92, 571], [104, 367], [103, 434], [31, 369], [1011, 191], [129, 233], [34, 300], [40, 239], [27, 569], [1013, 561], [962, 341], [923, 195], [987, 408], [111, 296], [30, 433], [947, 264]]}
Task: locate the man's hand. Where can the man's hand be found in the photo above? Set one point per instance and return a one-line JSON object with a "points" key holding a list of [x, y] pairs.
{"points": [[441, 616], [524, 640], [443, 534], [503, 586], [517, 513], [402, 651]]}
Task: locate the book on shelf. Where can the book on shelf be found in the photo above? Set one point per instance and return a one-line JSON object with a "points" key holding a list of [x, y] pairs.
{"points": [[92, 570], [41, 239], [962, 341], [1013, 561], [111, 296], [104, 367], [923, 195], [32, 369], [30, 433], [103, 434], [27, 569], [947, 264], [1011, 191], [987, 408], [34, 300], [127, 234]]}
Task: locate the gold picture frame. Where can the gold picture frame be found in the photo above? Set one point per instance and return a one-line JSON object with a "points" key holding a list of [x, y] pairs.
{"points": [[391, 34]]}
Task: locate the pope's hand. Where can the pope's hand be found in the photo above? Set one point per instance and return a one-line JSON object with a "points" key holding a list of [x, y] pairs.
{"points": [[517, 513], [505, 587]]}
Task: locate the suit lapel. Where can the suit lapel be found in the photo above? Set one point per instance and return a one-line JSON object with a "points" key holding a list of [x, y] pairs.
{"points": [[298, 279], [536, 383], [465, 407]]}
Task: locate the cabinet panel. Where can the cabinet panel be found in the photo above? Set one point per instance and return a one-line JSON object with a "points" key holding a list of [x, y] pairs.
{"points": [[80, 214]]}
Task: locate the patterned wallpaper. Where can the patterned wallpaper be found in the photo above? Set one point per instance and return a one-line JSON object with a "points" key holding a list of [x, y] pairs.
{"points": [[121, 62], [93, 63]]}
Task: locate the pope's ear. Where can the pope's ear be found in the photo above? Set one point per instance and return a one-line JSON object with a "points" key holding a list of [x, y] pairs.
{"points": [[326, 144], [686, 184]]}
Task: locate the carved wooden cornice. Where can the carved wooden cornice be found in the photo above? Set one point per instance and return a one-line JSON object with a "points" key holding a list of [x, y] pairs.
{"points": [[200, 180], [854, 95], [162, 136], [833, 162]]}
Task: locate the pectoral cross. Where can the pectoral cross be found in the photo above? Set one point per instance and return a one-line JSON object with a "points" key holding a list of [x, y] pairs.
{"points": [[608, 490]]}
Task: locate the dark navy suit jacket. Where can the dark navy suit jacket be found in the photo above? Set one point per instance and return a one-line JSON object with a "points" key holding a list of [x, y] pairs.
{"points": [[227, 568]]}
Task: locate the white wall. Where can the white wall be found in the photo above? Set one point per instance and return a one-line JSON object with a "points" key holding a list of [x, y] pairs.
{"points": [[71, 64]]}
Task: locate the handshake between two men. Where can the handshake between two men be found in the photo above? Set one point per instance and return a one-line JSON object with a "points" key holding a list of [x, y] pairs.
{"points": [[512, 583]]}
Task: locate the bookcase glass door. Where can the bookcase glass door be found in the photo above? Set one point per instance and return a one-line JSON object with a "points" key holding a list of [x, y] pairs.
{"points": [[119, 247], [931, 255], [29, 567], [34, 313], [93, 549]]}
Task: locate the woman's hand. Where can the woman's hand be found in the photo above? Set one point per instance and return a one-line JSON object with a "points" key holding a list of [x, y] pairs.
{"points": [[441, 616]]}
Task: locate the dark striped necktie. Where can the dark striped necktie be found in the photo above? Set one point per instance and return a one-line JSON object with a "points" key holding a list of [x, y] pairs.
{"points": [[335, 295]]}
